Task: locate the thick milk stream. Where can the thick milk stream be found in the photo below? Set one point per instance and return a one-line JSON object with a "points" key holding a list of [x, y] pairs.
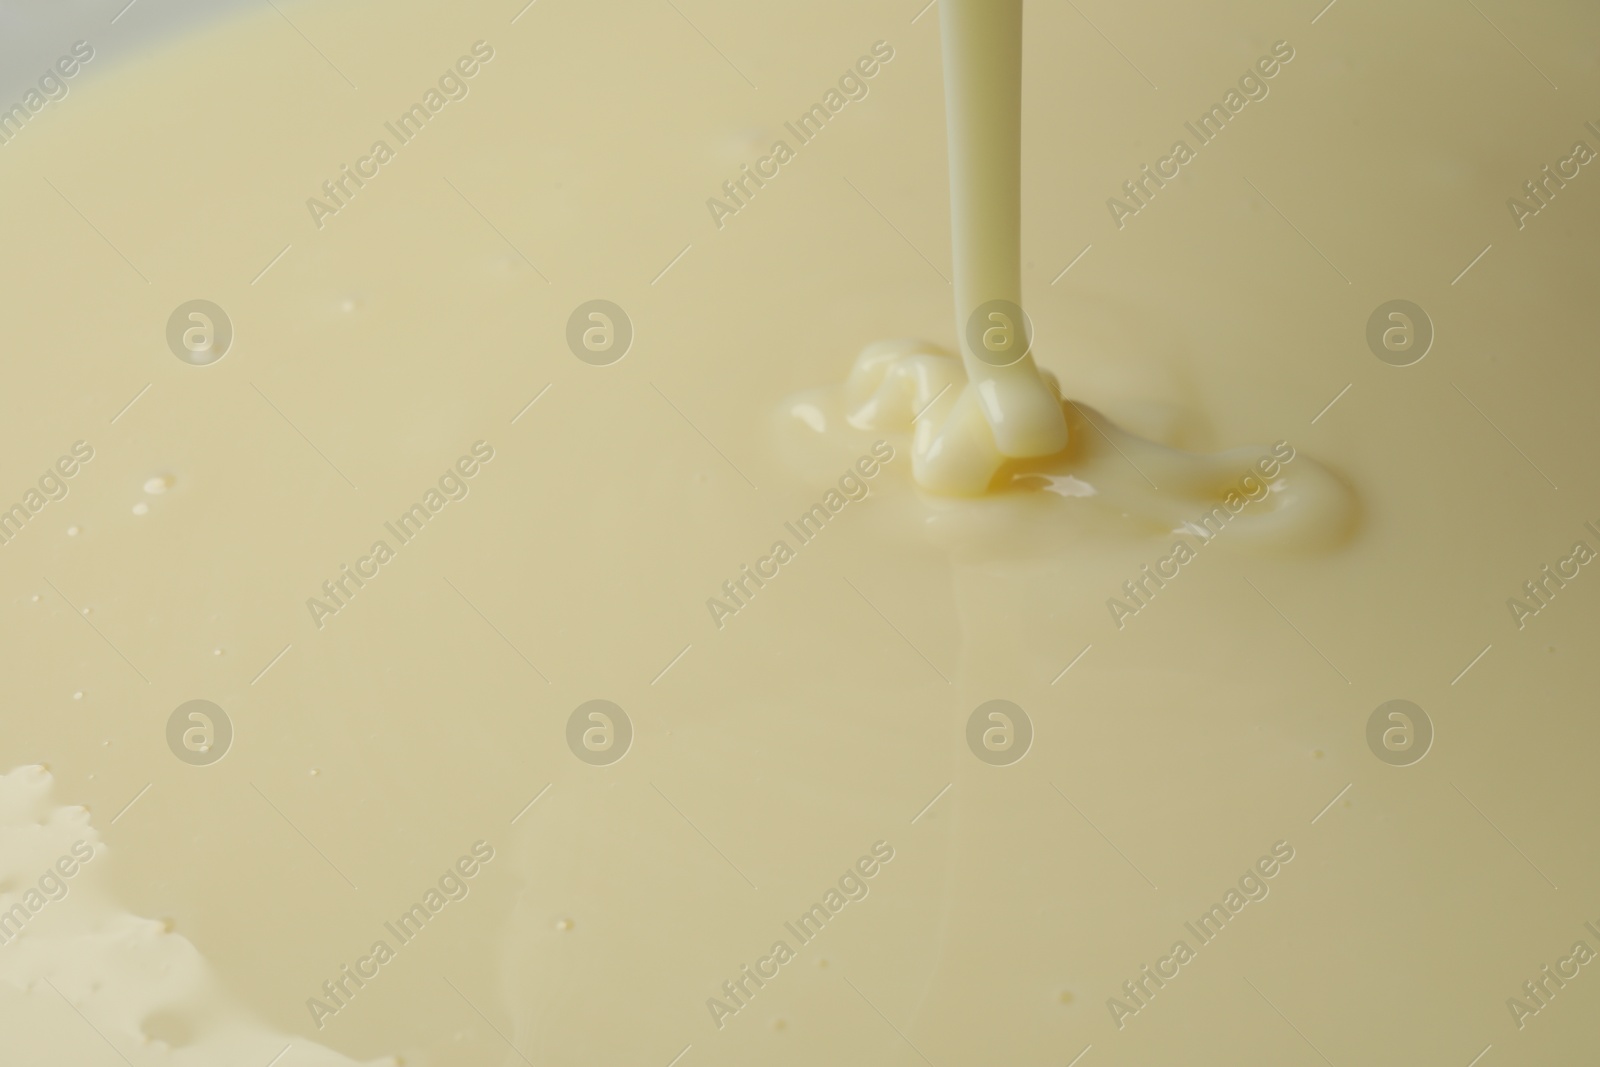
{"points": [[982, 48]]}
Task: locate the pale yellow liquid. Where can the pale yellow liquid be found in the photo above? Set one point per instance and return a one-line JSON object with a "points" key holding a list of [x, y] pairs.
{"points": [[822, 718], [999, 411]]}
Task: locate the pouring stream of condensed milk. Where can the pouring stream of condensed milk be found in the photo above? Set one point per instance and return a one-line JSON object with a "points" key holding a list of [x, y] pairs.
{"points": [[983, 107], [993, 419], [1005, 408]]}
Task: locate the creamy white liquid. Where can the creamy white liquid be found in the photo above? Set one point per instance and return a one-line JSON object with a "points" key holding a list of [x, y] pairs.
{"points": [[982, 48], [1174, 747]]}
